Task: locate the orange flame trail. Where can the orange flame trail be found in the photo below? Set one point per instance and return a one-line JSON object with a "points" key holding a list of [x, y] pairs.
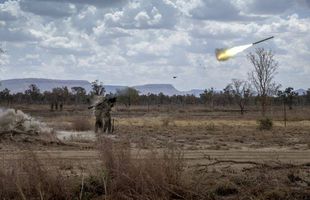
{"points": [[225, 54]]}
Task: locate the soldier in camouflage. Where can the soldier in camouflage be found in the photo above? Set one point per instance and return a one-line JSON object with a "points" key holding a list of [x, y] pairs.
{"points": [[103, 114], [99, 108]]}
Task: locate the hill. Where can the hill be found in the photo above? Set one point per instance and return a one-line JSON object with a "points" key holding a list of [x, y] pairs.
{"points": [[20, 85]]}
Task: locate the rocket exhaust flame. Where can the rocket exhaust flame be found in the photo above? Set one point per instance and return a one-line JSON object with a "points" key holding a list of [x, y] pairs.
{"points": [[225, 54]]}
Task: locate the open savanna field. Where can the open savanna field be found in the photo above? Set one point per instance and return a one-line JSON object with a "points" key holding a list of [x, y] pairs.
{"points": [[166, 152]]}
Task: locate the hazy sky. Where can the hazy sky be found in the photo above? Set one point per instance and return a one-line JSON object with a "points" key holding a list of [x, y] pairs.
{"points": [[137, 42]]}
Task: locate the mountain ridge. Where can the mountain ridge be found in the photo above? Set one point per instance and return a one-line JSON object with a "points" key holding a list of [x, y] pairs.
{"points": [[21, 84]]}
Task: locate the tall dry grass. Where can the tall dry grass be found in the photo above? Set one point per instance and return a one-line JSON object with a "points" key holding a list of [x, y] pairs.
{"points": [[153, 175], [29, 178], [81, 124], [158, 176]]}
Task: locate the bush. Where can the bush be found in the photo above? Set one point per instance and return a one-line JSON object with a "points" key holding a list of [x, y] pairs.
{"points": [[210, 126], [158, 176], [226, 189], [81, 124], [92, 188], [166, 121], [277, 194], [29, 178], [265, 124]]}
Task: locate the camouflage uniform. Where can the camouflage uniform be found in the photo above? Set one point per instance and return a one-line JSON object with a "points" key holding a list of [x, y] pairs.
{"points": [[102, 111], [107, 118], [99, 114]]}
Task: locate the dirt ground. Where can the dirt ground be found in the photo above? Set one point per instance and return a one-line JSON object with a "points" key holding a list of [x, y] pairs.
{"points": [[198, 131], [222, 142]]}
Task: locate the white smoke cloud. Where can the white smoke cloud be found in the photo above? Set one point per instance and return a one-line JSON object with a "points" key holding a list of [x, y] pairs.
{"points": [[11, 120]]}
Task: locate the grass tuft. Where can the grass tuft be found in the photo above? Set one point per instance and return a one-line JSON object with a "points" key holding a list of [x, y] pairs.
{"points": [[81, 124], [265, 124]]}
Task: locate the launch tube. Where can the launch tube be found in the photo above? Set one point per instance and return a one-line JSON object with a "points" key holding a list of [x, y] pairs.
{"points": [[262, 40]]}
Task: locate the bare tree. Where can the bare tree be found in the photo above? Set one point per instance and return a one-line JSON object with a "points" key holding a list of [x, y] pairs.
{"points": [[241, 91], [33, 93], [265, 68], [97, 88], [208, 97]]}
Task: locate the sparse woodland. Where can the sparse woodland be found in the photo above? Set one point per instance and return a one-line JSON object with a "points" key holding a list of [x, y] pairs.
{"points": [[237, 94], [164, 147]]}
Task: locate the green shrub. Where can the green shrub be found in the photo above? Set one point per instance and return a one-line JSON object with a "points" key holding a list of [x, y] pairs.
{"points": [[265, 124]]}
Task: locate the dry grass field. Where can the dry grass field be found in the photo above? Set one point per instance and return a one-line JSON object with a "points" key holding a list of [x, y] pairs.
{"points": [[159, 153]]}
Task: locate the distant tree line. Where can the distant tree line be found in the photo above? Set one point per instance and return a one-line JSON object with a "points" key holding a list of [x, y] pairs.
{"points": [[237, 93]]}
